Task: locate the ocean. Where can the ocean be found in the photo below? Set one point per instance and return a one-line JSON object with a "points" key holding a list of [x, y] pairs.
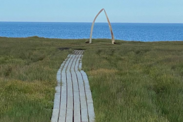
{"points": [[146, 32]]}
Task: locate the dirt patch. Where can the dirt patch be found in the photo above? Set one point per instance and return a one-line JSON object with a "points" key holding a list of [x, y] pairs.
{"points": [[63, 48], [79, 49]]}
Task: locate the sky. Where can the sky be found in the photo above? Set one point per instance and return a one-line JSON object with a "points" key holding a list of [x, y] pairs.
{"points": [[121, 11]]}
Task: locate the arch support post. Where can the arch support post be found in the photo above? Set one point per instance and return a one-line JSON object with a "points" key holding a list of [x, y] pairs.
{"points": [[110, 27]]}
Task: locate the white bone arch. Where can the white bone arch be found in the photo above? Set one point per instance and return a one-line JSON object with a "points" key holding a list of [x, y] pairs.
{"points": [[110, 27]]}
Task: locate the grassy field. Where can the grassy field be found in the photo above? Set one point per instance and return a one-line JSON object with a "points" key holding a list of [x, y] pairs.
{"points": [[130, 81]]}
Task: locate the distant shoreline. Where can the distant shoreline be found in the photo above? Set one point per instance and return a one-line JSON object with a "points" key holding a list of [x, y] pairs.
{"points": [[87, 22], [82, 39]]}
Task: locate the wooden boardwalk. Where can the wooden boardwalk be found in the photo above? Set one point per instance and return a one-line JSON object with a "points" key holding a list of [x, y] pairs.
{"points": [[73, 100]]}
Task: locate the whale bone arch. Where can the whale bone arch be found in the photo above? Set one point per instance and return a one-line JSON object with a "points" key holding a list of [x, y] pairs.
{"points": [[110, 27]]}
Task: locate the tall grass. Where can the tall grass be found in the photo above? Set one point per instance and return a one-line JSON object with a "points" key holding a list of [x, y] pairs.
{"points": [[130, 81], [27, 78], [136, 82]]}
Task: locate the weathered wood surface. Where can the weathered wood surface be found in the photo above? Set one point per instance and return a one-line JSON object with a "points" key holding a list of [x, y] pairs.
{"points": [[73, 100]]}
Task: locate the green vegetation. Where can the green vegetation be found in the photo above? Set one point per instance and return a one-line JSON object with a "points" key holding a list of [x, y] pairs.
{"points": [[28, 70], [130, 81]]}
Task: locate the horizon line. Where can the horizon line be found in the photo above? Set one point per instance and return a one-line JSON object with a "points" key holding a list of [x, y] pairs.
{"points": [[97, 22]]}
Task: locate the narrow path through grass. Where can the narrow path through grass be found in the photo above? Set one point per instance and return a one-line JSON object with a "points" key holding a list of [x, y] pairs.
{"points": [[130, 81]]}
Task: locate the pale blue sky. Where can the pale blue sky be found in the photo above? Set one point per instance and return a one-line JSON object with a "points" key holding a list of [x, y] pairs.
{"points": [[143, 11]]}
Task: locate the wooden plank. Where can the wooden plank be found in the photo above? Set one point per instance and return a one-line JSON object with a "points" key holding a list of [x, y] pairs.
{"points": [[84, 113], [77, 115], [67, 62], [75, 82], [70, 63], [56, 107], [79, 93], [77, 109], [80, 63], [91, 112], [62, 115], [90, 109], [69, 115], [56, 101], [74, 78], [76, 65], [55, 115], [87, 87], [59, 76], [57, 89], [59, 73], [63, 106], [73, 64]]}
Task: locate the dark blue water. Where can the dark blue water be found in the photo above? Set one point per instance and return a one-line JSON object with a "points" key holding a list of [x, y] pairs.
{"points": [[122, 31]]}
